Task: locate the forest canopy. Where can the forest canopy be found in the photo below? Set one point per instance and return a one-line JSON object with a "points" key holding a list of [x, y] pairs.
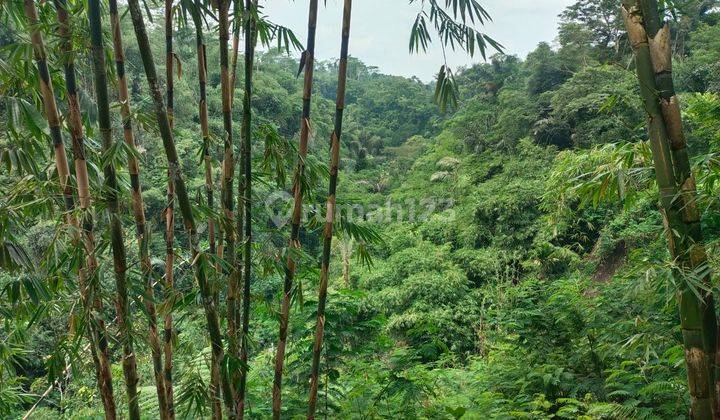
{"points": [[200, 219]]}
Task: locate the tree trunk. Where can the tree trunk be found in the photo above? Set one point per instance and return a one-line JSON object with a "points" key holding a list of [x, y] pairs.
{"points": [[199, 259], [308, 59], [110, 196], [246, 151], [651, 45], [330, 216], [92, 304]]}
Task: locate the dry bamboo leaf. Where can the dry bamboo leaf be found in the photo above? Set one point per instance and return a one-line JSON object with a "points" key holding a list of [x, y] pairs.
{"points": [[696, 363], [660, 51], [673, 122], [668, 232], [690, 210], [179, 65], [636, 31]]}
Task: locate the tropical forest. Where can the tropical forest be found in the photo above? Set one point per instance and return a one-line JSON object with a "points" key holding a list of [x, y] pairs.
{"points": [[208, 211]]}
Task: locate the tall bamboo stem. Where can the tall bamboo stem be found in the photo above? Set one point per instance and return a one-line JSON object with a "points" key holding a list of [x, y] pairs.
{"points": [[122, 305], [199, 259], [246, 151], [138, 207], [294, 242], [92, 304], [695, 257], [660, 52], [228, 172], [677, 197], [169, 217], [237, 19], [330, 215], [170, 196], [205, 132], [240, 225]]}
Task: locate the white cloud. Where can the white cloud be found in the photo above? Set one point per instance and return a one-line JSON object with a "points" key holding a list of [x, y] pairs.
{"points": [[380, 30]]}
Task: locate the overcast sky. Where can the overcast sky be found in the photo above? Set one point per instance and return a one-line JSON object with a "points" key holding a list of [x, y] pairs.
{"points": [[380, 30]]}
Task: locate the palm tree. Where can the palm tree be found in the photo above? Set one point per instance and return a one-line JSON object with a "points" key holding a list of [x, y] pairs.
{"points": [[250, 14], [199, 259], [651, 44], [110, 196], [308, 59], [138, 206], [330, 217], [92, 304]]}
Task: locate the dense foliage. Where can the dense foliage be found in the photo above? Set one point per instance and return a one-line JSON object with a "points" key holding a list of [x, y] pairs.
{"points": [[503, 260]]}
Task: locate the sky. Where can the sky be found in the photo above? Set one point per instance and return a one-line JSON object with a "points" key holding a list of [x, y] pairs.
{"points": [[380, 30]]}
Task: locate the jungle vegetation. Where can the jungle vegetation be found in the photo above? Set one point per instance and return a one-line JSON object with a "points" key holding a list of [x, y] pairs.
{"points": [[201, 219]]}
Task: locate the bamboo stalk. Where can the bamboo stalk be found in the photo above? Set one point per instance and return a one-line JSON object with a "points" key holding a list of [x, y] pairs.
{"points": [[345, 255], [228, 172], [92, 305], [697, 316], [205, 132], [169, 220], [169, 212], [97, 331], [169, 290], [695, 257], [294, 242], [138, 207], [240, 226], [110, 197], [246, 166], [330, 216], [199, 259], [237, 12]]}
